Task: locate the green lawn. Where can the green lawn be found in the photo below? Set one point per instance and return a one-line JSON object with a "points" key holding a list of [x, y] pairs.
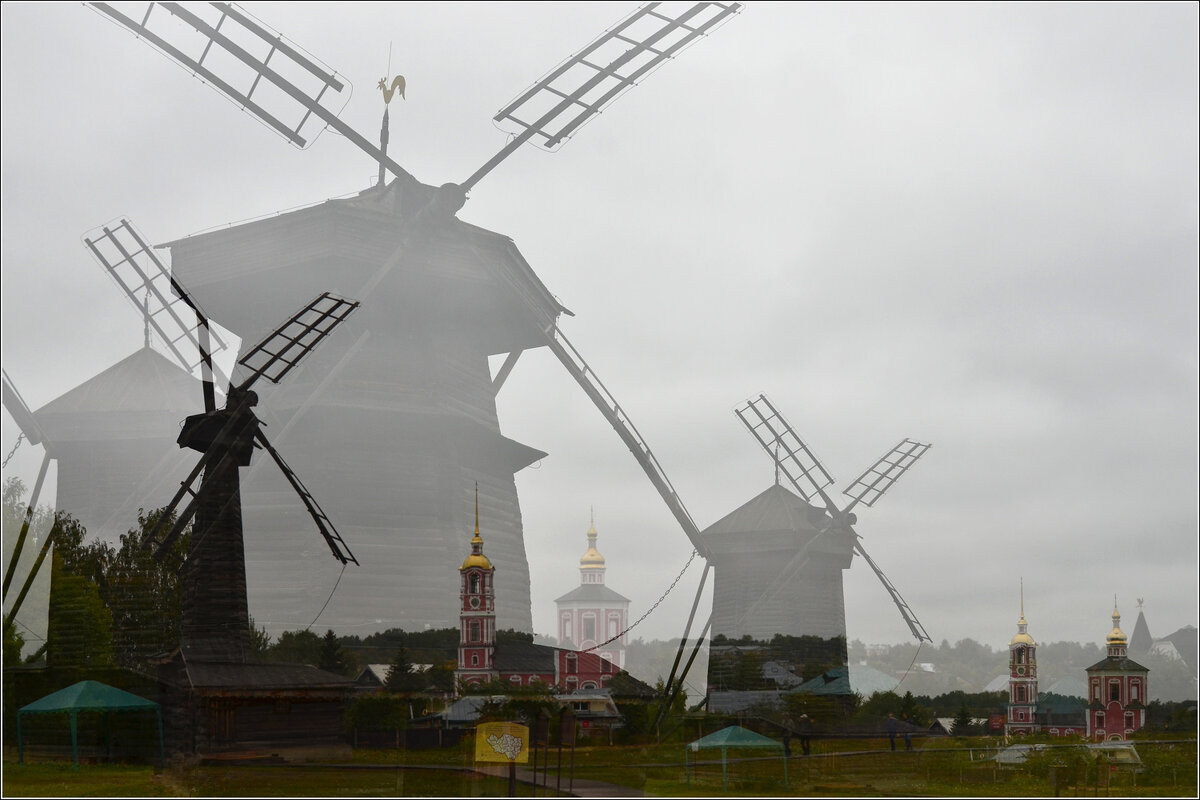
{"points": [[945, 767]]}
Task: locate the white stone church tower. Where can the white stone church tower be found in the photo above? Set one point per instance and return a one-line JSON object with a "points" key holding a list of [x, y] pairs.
{"points": [[593, 614]]}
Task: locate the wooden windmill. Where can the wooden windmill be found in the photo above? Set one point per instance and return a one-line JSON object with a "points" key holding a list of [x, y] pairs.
{"points": [[806, 473], [297, 97], [215, 624], [115, 423]]}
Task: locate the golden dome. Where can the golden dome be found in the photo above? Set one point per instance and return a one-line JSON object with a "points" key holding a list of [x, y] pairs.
{"points": [[1116, 635], [1022, 638], [592, 558]]}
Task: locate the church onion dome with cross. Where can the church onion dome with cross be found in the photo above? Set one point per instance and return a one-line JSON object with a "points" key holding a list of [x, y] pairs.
{"points": [[592, 615]]}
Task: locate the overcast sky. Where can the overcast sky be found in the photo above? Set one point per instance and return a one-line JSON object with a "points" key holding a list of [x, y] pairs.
{"points": [[970, 225]]}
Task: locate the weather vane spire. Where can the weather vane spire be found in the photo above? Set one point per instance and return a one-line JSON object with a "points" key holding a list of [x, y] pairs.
{"points": [[397, 85]]}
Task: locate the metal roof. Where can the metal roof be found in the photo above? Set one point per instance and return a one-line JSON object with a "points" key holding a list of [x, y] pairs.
{"points": [[592, 592]]}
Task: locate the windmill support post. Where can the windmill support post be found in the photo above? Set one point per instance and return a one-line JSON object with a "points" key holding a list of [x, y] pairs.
{"points": [[29, 511], [662, 710]]}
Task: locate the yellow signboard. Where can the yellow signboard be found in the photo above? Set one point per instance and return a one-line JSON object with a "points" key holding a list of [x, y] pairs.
{"points": [[503, 742]]}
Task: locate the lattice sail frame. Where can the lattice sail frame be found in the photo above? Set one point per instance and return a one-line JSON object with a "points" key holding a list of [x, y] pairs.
{"points": [[254, 66], [582, 86], [772, 431], [146, 281], [280, 352], [879, 477]]}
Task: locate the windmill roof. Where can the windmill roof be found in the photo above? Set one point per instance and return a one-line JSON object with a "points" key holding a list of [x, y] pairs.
{"points": [[592, 592], [88, 696], [776, 509], [341, 241], [130, 398]]}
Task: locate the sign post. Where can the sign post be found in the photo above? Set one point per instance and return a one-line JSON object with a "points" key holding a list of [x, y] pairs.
{"points": [[503, 743]]}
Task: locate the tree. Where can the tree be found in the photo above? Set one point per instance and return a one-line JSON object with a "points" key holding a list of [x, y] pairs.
{"points": [[962, 721], [13, 642], [144, 593], [296, 647], [332, 659], [79, 624], [400, 676], [260, 641]]}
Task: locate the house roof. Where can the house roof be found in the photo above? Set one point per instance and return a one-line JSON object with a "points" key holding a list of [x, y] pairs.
{"points": [[998, 683], [266, 675], [834, 681], [521, 657], [592, 592], [1069, 686], [1117, 664], [88, 696], [868, 681]]}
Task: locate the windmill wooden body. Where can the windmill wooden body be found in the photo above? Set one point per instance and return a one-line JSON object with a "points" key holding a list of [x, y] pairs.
{"points": [[832, 528], [396, 240], [215, 626]]}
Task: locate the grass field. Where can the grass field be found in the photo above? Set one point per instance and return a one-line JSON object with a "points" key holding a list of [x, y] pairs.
{"points": [[945, 767]]}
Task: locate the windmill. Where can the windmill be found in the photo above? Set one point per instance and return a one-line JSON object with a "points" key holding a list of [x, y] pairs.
{"points": [[806, 473], [406, 237], [115, 424], [215, 624]]}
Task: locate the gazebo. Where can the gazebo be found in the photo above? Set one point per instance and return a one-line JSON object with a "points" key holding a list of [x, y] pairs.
{"points": [[733, 737], [87, 696]]}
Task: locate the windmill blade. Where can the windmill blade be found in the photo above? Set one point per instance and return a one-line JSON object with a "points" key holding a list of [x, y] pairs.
{"points": [[257, 68], [276, 356], [914, 625], [800, 465], [21, 414], [147, 282], [573, 93], [337, 545], [220, 460], [879, 477]]}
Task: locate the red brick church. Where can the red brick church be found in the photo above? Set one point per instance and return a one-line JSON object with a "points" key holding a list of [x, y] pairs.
{"points": [[482, 660], [1117, 691]]}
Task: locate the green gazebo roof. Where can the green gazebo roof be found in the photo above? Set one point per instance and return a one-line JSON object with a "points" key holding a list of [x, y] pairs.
{"points": [[88, 696], [734, 736]]}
